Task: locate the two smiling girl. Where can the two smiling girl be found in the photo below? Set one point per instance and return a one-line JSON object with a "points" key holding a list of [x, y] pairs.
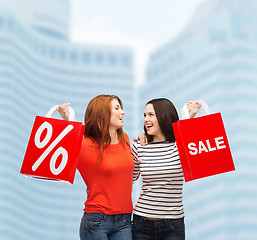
{"points": [[106, 166]]}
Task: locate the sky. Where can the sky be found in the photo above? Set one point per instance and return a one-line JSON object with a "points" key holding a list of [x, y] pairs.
{"points": [[143, 25]]}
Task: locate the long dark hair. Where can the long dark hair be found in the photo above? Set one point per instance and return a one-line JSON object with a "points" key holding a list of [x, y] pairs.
{"points": [[166, 114]]}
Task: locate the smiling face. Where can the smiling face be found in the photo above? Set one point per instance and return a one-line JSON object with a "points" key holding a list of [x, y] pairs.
{"points": [[117, 115], [152, 125]]}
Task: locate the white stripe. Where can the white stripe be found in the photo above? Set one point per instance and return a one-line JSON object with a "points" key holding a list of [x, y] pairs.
{"points": [[162, 175]]}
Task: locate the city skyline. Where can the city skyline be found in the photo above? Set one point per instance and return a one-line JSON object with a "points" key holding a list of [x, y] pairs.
{"points": [[213, 57], [152, 25], [39, 68]]}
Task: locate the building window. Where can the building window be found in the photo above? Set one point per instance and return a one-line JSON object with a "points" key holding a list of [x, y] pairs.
{"points": [[112, 59], [99, 59], [86, 57], [217, 36], [35, 44], [126, 61], [62, 54], [43, 48], [52, 52], [73, 56], [10, 25]]}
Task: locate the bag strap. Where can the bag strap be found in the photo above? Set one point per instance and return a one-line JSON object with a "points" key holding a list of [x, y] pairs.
{"points": [[53, 110], [205, 110]]}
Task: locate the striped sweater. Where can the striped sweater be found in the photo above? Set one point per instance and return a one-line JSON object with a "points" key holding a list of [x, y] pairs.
{"points": [[160, 168]]}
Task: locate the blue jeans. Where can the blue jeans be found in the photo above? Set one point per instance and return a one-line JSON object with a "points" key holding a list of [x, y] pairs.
{"points": [[161, 229], [99, 226]]}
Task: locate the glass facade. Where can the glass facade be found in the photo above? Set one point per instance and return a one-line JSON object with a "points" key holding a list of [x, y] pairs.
{"points": [[214, 59], [36, 73]]}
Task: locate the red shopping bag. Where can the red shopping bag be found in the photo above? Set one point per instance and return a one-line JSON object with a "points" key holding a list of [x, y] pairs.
{"points": [[203, 146], [53, 148]]}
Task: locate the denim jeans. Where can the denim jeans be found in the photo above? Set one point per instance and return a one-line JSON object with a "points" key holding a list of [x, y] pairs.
{"points": [[99, 226], [161, 229]]}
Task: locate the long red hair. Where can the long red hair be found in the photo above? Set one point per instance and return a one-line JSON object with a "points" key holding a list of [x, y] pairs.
{"points": [[97, 120]]}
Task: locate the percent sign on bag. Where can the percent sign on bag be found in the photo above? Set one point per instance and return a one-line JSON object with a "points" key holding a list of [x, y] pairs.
{"points": [[53, 148], [57, 153]]}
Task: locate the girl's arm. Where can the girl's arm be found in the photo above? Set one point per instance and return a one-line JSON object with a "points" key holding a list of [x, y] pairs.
{"points": [[136, 171]]}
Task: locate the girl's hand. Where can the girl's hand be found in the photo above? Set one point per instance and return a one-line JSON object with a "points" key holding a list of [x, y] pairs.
{"points": [[193, 108], [63, 110], [142, 138]]}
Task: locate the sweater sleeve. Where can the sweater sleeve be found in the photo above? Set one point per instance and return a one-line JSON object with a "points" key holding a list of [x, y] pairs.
{"points": [[136, 171]]}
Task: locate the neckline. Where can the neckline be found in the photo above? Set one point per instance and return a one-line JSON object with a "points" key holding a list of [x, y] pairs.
{"points": [[113, 145], [166, 141]]}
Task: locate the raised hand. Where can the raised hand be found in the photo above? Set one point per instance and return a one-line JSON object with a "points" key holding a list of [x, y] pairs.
{"points": [[63, 110], [193, 108]]}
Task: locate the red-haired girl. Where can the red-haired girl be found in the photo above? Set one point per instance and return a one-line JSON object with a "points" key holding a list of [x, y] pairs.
{"points": [[106, 166]]}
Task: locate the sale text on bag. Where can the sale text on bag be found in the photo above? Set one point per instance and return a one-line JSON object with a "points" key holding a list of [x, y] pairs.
{"points": [[207, 146]]}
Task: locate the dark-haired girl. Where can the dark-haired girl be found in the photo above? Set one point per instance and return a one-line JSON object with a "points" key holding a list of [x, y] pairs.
{"points": [[159, 214]]}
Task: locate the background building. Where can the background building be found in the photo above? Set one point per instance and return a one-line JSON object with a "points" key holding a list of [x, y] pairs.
{"points": [[39, 68], [215, 59]]}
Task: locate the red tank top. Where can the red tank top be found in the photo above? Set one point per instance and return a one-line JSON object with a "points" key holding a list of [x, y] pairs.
{"points": [[110, 183]]}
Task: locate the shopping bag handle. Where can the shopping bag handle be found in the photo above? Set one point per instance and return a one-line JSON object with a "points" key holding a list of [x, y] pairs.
{"points": [[53, 109], [205, 110]]}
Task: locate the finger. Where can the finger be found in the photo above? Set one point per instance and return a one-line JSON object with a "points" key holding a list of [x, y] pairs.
{"points": [[62, 107], [65, 106], [198, 104], [142, 142], [194, 104], [190, 104], [190, 107]]}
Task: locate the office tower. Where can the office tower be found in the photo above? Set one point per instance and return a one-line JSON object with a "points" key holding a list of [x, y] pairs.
{"points": [[214, 59], [39, 68], [49, 18]]}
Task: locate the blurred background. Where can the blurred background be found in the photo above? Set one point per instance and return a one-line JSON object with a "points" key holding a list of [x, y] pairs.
{"points": [[55, 51]]}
